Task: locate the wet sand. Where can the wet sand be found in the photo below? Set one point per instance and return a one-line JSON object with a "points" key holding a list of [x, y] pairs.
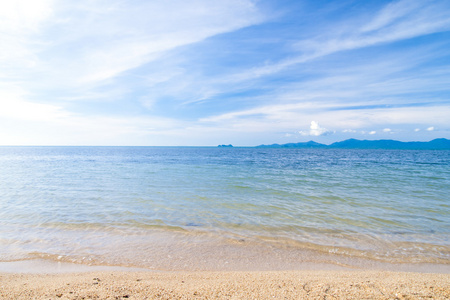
{"points": [[244, 272], [307, 284]]}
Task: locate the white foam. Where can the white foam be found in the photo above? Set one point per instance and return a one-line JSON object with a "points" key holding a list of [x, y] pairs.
{"points": [[42, 266]]}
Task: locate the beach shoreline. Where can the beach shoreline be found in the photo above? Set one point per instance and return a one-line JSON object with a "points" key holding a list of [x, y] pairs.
{"points": [[175, 251], [318, 263], [47, 279]]}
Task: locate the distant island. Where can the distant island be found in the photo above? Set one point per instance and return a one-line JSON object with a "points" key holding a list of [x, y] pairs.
{"points": [[225, 146], [436, 144]]}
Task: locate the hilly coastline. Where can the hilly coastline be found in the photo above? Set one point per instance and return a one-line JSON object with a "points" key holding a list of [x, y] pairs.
{"points": [[436, 144]]}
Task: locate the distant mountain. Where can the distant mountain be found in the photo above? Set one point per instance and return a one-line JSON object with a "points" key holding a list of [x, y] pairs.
{"points": [[310, 144], [437, 144]]}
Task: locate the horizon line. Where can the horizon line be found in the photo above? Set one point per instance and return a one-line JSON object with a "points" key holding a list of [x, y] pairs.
{"points": [[220, 145]]}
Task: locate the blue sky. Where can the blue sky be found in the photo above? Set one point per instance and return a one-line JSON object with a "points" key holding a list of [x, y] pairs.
{"points": [[203, 72]]}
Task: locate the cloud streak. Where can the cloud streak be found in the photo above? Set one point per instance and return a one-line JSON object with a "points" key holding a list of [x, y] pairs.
{"points": [[84, 42], [176, 72], [397, 21]]}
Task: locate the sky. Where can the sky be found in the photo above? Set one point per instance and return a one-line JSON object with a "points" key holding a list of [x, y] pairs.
{"points": [[241, 72]]}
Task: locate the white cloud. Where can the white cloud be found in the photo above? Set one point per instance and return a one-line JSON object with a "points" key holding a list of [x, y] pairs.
{"points": [[14, 106], [430, 128], [315, 130], [372, 132], [84, 43], [19, 21], [387, 130], [21, 16], [417, 129]]}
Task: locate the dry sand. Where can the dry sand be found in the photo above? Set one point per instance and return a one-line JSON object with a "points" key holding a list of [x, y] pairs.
{"points": [[226, 285]]}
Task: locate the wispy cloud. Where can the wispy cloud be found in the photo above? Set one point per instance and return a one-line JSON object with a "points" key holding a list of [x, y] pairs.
{"points": [[51, 124], [164, 72], [397, 21], [386, 87], [58, 59], [84, 42]]}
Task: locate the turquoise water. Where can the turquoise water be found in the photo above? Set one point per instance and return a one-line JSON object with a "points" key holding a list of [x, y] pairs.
{"points": [[116, 205]]}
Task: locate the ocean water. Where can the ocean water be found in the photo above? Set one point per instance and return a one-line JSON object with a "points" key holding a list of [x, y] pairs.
{"points": [[179, 207]]}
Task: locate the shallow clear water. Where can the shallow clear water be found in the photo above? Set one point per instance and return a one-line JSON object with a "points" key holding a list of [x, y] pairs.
{"points": [[111, 203]]}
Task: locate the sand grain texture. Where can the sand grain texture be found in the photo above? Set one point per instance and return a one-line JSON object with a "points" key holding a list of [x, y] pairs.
{"points": [[227, 285]]}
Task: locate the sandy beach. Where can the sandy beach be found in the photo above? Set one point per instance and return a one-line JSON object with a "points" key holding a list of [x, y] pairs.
{"points": [[227, 285]]}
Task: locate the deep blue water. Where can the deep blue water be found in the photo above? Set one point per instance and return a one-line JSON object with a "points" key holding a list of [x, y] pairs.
{"points": [[391, 204]]}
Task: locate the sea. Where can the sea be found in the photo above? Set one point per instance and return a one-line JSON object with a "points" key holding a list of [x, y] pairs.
{"points": [[208, 208]]}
